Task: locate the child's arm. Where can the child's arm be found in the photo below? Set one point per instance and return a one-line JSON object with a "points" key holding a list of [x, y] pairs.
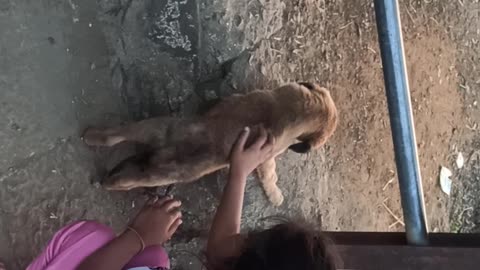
{"points": [[223, 240], [154, 225]]}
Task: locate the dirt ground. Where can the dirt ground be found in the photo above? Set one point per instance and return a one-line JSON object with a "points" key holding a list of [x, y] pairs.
{"points": [[69, 64]]}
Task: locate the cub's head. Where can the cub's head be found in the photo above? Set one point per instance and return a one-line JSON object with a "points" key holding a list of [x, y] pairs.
{"points": [[320, 105]]}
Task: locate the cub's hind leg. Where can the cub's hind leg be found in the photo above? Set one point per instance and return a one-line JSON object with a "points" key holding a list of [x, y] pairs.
{"points": [[167, 165], [135, 171], [145, 131]]}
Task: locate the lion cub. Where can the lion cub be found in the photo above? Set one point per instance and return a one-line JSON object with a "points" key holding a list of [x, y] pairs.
{"points": [[299, 116]]}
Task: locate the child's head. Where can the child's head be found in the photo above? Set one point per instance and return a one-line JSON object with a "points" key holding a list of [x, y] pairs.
{"points": [[286, 246]]}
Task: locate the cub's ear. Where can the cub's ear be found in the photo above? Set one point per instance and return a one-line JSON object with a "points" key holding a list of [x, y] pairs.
{"points": [[301, 147]]}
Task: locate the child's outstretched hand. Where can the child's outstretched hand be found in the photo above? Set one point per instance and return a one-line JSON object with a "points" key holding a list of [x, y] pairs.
{"points": [[244, 160], [154, 225], [158, 221]]}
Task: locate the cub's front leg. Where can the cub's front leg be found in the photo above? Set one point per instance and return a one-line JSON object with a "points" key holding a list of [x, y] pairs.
{"points": [[268, 177]]}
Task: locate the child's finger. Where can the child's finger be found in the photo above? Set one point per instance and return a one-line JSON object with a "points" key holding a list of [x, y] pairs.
{"points": [[162, 201], [170, 205], [174, 227], [174, 216], [158, 202], [267, 152], [268, 149], [152, 200], [262, 138], [270, 141], [242, 139]]}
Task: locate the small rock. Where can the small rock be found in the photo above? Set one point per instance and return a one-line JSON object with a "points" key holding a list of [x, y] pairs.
{"points": [[445, 181], [51, 40], [15, 126], [460, 160], [210, 95]]}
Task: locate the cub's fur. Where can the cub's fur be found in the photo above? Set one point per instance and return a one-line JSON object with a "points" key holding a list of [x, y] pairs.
{"points": [[300, 116]]}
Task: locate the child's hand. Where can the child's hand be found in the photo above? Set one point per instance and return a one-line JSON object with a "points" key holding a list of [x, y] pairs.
{"points": [[158, 221], [244, 160]]}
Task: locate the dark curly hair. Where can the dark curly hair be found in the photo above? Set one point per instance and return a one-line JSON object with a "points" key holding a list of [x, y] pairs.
{"points": [[285, 246]]}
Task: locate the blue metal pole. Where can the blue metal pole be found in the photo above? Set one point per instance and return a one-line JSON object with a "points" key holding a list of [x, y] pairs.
{"points": [[401, 120]]}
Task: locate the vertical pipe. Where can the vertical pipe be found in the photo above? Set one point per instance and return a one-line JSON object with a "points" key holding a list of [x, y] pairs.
{"points": [[401, 120]]}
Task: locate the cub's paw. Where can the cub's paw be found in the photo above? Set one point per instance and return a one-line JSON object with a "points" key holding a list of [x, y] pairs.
{"points": [[94, 137], [98, 137], [118, 183], [275, 196]]}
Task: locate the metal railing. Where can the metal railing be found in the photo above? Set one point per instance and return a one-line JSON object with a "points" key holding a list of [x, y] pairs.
{"points": [[401, 120]]}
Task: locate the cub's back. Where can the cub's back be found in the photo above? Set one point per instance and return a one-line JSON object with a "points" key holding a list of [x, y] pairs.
{"points": [[269, 109]]}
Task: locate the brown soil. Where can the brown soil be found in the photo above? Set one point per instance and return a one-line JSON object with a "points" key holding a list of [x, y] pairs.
{"points": [[342, 53]]}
